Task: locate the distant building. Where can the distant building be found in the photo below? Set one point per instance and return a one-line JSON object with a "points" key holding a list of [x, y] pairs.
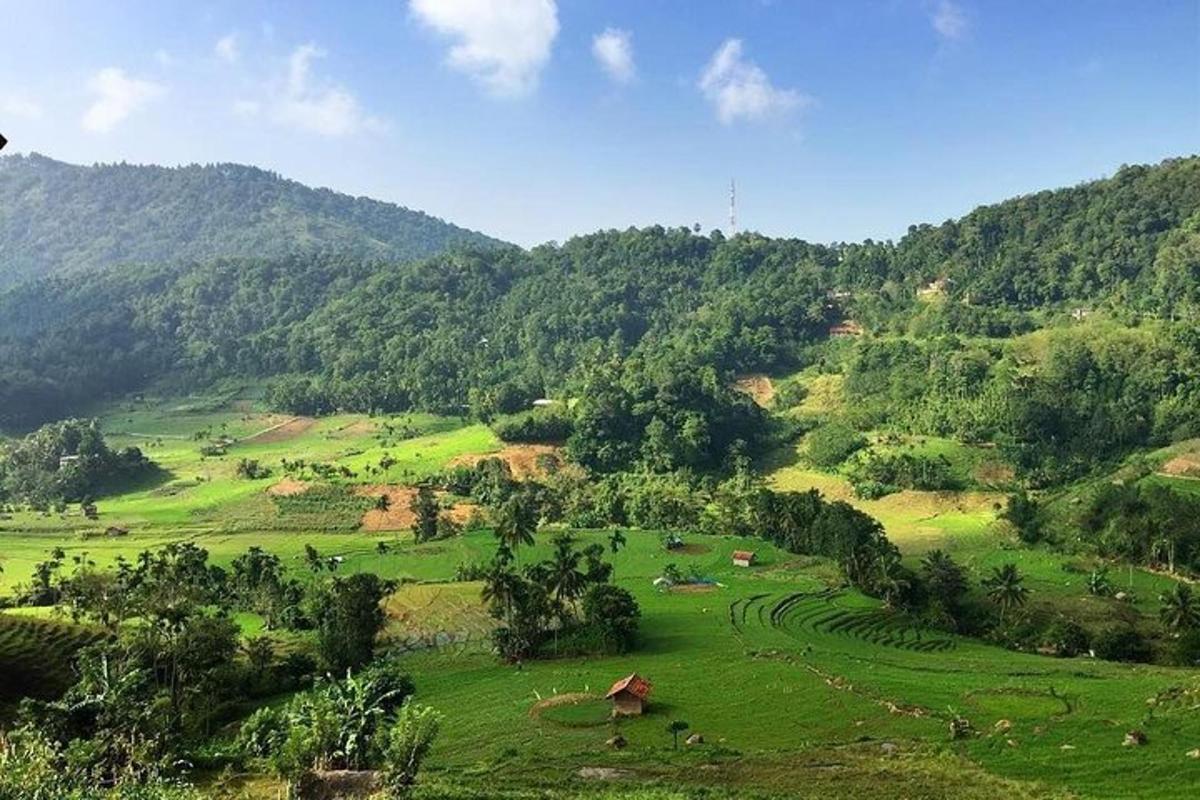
{"points": [[743, 558], [936, 288], [629, 695]]}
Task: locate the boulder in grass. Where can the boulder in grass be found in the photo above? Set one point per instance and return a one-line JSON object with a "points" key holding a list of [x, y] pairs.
{"points": [[1134, 738], [1194, 753], [694, 740], [889, 749], [960, 728], [617, 742]]}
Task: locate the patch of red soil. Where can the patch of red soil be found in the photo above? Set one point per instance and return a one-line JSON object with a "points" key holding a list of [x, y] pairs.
{"points": [[283, 431], [288, 487], [759, 387], [523, 459], [398, 516]]}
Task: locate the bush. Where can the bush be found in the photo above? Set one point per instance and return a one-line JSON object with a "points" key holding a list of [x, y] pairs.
{"points": [[406, 744], [1121, 644], [1186, 650], [1068, 639], [552, 425], [830, 445], [614, 613]]}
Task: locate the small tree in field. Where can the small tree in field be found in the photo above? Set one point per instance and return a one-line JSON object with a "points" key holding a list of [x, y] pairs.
{"points": [[408, 742], [424, 506], [675, 728]]}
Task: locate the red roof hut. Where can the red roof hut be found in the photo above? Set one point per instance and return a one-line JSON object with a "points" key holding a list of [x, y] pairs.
{"points": [[629, 695]]}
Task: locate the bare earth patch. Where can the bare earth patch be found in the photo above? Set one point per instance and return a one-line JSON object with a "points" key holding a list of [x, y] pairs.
{"points": [[364, 427], [1184, 466], [694, 588], [693, 549], [759, 387], [565, 699], [399, 516], [283, 431], [288, 487], [522, 459]]}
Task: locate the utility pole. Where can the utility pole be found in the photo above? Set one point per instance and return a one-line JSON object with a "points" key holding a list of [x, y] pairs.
{"points": [[732, 208]]}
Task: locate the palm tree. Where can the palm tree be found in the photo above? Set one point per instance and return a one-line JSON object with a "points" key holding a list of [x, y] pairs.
{"points": [[616, 541], [517, 522], [892, 579], [500, 589], [1180, 609], [566, 580], [946, 580], [1006, 588]]}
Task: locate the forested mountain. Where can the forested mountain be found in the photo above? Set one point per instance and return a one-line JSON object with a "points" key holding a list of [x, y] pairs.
{"points": [[62, 218], [488, 329]]}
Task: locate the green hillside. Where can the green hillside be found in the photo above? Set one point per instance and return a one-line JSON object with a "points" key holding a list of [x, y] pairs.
{"points": [[58, 218]]}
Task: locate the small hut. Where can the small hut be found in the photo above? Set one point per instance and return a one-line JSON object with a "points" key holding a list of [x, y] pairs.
{"points": [[743, 558], [629, 695]]}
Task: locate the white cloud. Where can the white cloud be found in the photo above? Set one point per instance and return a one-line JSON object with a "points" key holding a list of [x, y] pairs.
{"points": [[613, 50], [15, 105], [739, 89], [117, 96], [504, 44], [164, 58], [226, 48], [949, 20], [310, 104]]}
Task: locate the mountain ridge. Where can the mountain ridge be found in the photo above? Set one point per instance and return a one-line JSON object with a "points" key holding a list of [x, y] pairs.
{"points": [[62, 218]]}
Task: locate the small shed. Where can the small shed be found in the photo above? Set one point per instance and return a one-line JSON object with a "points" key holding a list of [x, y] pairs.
{"points": [[629, 695], [743, 558]]}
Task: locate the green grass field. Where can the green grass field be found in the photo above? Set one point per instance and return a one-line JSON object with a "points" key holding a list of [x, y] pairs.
{"points": [[795, 683]]}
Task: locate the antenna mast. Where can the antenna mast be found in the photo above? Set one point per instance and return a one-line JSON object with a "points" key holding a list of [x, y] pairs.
{"points": [[732, 208]]}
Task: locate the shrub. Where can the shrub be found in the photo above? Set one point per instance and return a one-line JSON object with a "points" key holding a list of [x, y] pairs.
{"points": [[614, 613], [830, 445], [1068, 638], [407, 743], [1121, 644], [541, 425]]}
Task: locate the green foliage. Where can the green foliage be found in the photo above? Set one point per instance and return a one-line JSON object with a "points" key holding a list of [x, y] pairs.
{"points": [[1121, 643], [613, 612], [348, 617], [552, 425], [62, 218], [829, 445], [1006, 588], [425, 509], [1026, 516], [874, 474], [409, 741], [1147, 524], [65, 461]]}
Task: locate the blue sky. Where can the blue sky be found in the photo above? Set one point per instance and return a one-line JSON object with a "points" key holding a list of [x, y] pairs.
{"points": [[535, 120]]}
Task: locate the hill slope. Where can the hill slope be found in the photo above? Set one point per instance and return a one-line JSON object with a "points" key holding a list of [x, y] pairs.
{"points": [[61, 218], [430, 334]]}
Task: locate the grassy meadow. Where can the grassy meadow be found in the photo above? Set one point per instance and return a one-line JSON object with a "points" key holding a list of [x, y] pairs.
{"points": [[798, 686]]}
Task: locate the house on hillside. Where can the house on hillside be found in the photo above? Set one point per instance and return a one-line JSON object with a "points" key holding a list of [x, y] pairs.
{"points": [[629, 695], [743, 558]]}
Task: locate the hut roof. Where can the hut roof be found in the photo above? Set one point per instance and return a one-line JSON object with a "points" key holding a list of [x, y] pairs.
{"points": [[633, 683]]}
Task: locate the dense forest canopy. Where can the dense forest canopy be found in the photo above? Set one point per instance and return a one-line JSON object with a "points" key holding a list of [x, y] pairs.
{"points": [[63, 218], [487, 330]]}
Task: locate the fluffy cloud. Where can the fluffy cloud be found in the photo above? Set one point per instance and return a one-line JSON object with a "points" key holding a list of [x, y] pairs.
{"points": [[311, 104], [948, 20], [226, 48], [504, 44], [116, 97], [613, 50], [739, 89]]}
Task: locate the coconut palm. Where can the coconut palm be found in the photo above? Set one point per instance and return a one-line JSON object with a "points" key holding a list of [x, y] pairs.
{"points": [[1006, 588], [1180, 609], [892, 580], [517, 522], [565, 580], [500, 589]]}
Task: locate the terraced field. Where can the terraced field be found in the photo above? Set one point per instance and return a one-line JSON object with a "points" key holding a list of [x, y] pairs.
{"points": [[35, 656], [808, 615]]}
